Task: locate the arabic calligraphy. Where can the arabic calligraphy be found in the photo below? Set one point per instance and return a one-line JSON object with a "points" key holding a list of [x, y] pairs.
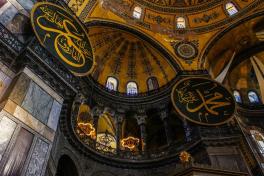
{"points": [[206, 103], [62, 34], [203, 101]]}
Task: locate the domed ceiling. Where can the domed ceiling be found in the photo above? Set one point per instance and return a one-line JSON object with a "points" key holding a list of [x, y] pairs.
{"points": [[221, 50], [127, 57]]}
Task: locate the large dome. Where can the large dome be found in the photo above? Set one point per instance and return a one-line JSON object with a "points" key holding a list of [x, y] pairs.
{"points": [[128, 57]]}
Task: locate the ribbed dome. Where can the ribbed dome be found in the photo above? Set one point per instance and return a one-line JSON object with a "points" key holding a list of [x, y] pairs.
{"points": [[127, 58]]}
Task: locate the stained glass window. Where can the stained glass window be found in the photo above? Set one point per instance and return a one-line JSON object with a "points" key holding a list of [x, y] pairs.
{"points": [[132, 88], [237, 96], [253, 97], [231, 8], [259, 139], [137, 12], [181, 23], [111, 83], [152, 83]]}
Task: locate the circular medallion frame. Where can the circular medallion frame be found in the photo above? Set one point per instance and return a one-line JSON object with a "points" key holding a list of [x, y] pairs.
{"points": [[203, 101], [63, 36], [186, 50]]}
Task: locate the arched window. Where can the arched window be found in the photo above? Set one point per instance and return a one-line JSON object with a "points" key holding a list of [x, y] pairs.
{"points": [[253, 97], [181, 23], [152, 83], [132, 88], [259, 139], [231, 9], [237, 96], [137, 12], [111, 83]]}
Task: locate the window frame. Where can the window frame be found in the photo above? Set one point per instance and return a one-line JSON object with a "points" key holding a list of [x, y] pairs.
{"points": [[137, 89], [185, 22], [228, 10], [256, 93], [137, 10], [117, 83]]}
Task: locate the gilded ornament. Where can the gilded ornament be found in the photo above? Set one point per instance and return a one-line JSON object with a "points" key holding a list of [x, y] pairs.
{"points": [[63, 36], [203, 101], [130, 142]]}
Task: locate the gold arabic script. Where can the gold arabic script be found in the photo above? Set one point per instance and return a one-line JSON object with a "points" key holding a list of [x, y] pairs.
{"points": [[211, 101], [68, 41], [189, 98]]}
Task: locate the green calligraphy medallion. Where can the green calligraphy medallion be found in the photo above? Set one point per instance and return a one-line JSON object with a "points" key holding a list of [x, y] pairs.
{"points": [[60, 32], [203, 101]]}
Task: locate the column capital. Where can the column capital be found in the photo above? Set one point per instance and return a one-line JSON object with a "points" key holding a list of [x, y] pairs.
{"points": [[109, 111], [164, 114], [97, 111], [141, 119], [119, 117]]}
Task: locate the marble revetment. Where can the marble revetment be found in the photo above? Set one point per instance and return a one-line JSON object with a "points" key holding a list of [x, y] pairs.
{"points": [[38, 102], [54, 115], [7, 127], [20, 88], [38, 157]]}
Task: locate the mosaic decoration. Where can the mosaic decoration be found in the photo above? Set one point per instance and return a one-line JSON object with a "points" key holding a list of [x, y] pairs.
{"points": [[203, 101], [176, 3], [186, 50], [63, 36]]}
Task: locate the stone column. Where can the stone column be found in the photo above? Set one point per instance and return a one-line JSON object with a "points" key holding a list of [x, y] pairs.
{"points": [[165, 118], [141, 120], [119, 122], [187, 130], [96, 112]]}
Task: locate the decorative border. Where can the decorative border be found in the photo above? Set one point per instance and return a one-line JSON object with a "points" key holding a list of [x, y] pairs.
{"points": [[187, 9]]}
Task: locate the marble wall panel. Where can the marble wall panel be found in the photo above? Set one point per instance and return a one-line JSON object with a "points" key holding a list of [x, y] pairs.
{"points": [[38, 102], [4, 83], [20, 88], [54, 115], [7, 13], [18, 155], [26, 4], [2, 3], [7, 127], [38, 157]]}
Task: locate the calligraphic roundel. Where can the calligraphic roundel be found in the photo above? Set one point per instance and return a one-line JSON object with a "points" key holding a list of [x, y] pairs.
{"points": [[63, 36], [203, 101]]}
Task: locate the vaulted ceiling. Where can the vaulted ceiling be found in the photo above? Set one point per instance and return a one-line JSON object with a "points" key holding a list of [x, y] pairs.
{"points": [[207, 42], [127, 57]]}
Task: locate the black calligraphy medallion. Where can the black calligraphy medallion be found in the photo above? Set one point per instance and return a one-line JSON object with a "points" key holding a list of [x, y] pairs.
{"points": [[63, 36], [203, 101]]}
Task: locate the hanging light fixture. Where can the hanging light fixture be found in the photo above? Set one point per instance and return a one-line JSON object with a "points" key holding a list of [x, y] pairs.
{"points": [[130, 142]]}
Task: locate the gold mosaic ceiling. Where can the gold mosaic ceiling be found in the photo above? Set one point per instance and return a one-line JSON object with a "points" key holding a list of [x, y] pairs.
{"points": [[205, 21], [173, 3], [128, 58]]}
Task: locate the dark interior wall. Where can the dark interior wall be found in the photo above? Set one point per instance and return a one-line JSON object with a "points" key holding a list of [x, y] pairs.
{"points": [[66, 167]]}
